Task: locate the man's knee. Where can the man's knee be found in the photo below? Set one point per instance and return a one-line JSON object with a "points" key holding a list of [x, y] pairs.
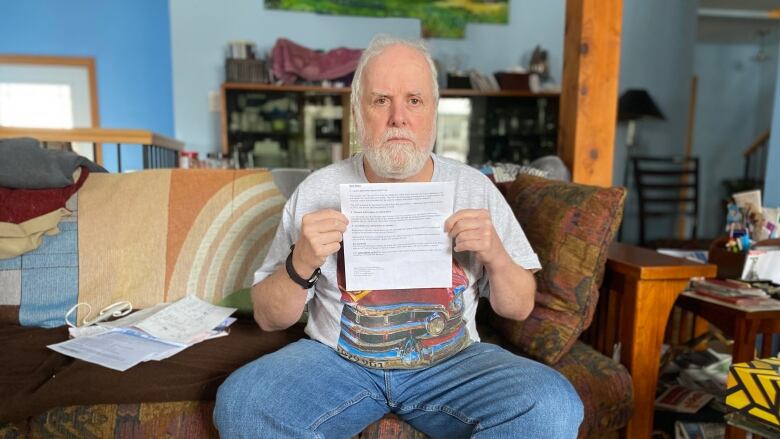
{"points": [[227, 403], [557, 396]]}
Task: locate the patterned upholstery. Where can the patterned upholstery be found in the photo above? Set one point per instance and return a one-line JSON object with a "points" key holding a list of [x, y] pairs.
{"points": [[570, 227], [200, 232], [185, 419], [604, 386]]}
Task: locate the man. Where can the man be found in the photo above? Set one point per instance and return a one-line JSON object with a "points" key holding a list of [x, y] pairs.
{"points": [[415, 353]]}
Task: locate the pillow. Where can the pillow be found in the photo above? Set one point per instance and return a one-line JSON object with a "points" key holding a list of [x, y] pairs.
{"points": [[570, 227], [241, 300]]}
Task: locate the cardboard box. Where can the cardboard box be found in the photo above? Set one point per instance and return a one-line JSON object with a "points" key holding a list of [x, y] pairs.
{"points": [[753, 389]]}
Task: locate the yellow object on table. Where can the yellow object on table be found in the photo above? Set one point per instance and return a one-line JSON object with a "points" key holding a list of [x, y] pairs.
{"points": [[753, 389]]}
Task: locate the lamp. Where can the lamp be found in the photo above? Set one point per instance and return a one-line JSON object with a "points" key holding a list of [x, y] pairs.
{"points": [[635, 104]]}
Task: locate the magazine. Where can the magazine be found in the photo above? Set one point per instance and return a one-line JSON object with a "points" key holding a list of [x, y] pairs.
{"points": [[699, 430], [682, 400]]}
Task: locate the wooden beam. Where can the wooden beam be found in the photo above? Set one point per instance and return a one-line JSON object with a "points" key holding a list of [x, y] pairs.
{"points": [[588, 109]]}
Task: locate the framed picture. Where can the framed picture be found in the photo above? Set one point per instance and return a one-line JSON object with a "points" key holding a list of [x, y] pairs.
{"points": [[440, 19]]}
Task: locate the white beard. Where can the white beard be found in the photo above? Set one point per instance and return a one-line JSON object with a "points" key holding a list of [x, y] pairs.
{"points": [[396, 160]]}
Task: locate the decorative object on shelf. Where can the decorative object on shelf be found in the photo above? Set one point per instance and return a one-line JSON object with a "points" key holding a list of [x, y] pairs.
{"points": [[539, 64], [241, 64], [241, 50], [446, 20], [246, 70], [458, 80], [513, 80]]}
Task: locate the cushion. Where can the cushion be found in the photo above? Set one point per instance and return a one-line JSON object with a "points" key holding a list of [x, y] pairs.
{"points": [[570, 227], [181, 419], [34, 379], [241, 300]]}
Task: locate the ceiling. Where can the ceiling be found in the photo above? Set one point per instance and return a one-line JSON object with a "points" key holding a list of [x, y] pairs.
{"points": [[738, 30]]}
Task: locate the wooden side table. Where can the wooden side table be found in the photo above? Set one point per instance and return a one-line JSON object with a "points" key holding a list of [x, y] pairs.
{"points": [[741, 324], [645, 285]]}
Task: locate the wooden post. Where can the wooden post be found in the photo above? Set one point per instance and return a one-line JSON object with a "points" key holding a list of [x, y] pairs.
{"points": [[588, 109]]}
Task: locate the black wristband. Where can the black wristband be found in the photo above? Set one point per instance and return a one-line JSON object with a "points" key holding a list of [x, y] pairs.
{"points": [[304, 283]]}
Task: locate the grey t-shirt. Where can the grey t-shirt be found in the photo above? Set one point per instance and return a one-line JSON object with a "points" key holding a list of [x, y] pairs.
{"points": [[397, 328]]}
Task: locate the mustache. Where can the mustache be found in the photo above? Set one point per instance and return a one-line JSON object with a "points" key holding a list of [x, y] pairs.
{"points": [[398, 132]]}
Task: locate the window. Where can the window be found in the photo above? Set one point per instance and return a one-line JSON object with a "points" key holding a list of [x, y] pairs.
{"points": [[36, 105]]}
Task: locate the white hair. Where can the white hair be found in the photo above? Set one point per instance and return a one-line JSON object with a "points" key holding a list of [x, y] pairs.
{"points": [[377, 45]]}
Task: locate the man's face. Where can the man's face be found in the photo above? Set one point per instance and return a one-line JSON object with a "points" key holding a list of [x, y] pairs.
{"points": [[398, 112]]}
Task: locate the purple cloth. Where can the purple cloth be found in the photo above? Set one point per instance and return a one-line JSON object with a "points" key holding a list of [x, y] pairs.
{"points": [[292, 61]]}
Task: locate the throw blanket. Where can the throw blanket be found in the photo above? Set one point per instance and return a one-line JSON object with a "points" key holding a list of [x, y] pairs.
{"points": [[26, 215], [20, 205], [291, 61], [26, 165]]}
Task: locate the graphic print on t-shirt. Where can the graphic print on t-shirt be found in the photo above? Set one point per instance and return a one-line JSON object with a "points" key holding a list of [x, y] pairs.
{"points": [[402, 329]]}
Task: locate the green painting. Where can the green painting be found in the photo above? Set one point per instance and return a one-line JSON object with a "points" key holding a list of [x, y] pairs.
{"points": [[440, 19]]}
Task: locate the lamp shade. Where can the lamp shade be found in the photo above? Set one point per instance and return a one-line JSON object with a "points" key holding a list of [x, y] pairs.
{"points": [[637, 103]]}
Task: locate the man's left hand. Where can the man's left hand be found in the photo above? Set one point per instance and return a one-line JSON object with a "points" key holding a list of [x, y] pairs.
{"points": [[473, 231]]}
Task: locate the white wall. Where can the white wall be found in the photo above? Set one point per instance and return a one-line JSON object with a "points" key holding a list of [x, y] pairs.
{"points": [[201, 28]]}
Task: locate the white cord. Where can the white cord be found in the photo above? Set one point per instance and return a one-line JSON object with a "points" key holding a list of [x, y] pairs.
{"points": [[73, 308], [117, 309]]}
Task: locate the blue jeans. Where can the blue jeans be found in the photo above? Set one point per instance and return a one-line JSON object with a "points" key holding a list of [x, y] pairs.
{"points": [[307, 390]]}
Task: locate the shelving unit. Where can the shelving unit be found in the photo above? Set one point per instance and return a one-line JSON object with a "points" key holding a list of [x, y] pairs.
{"points": [[309, 126]]}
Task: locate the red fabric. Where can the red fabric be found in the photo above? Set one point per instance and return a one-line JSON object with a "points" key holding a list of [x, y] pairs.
{"points": [[20, 205], [291, 61]]}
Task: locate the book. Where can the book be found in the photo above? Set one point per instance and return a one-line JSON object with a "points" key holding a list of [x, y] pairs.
{"points": [[736, 300], [682, 399], [699, 430]]}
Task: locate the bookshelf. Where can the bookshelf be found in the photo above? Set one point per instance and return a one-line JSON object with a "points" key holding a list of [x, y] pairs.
{"points": [[309, 126]]}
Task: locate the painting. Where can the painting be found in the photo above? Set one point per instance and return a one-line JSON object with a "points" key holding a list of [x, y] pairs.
{"points": [[440, 19]]}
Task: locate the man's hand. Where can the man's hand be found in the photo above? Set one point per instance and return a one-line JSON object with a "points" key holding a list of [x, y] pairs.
{"points": [[473, 231], [321, 235], [511, 286]]}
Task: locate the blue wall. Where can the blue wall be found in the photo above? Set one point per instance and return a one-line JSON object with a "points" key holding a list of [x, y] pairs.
{"points": [[200, 30], [657, 47], [130, 41]]}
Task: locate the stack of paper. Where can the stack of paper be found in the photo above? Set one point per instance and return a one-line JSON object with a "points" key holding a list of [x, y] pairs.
{"points": [[152, 334]]}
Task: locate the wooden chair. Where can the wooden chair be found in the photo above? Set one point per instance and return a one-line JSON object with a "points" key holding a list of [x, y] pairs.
{"points": [[667, 187]]}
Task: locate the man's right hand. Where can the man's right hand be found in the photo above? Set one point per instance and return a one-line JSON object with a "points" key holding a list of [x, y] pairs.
{"points": [[321, 235]]}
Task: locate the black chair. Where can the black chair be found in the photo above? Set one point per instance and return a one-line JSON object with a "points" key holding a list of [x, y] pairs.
{"points": [[667, 187]]}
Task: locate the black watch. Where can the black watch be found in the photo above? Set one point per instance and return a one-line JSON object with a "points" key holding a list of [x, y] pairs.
{"points": [[304, 283]]}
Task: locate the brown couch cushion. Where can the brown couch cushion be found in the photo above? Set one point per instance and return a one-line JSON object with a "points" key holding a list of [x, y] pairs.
{"points": [[34, 378], [569, 226]]}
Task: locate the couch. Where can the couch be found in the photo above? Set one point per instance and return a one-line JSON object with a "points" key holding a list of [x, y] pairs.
{"points": [[156, 235]]}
